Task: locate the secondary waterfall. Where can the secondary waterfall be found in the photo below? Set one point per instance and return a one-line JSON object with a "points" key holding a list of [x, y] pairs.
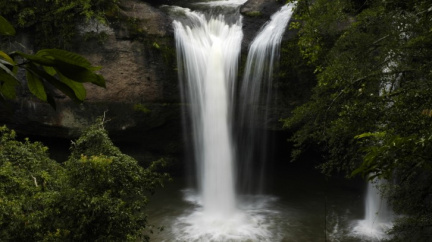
{"points": [[208, 49], [255, 100], [378, 216]]}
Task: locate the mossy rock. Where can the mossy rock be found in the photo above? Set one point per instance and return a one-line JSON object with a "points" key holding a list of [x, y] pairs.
{"points": [[253, 14]]}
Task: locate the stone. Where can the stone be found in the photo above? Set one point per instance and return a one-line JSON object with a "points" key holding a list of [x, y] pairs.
{"points": [[256, 13]]}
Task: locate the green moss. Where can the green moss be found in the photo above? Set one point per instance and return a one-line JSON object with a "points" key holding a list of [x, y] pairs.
{"points": [[253, 14], [141, 108], [156, 45]]}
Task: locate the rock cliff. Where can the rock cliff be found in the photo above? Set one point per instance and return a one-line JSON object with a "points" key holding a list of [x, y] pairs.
{"points": [[142, 99]]}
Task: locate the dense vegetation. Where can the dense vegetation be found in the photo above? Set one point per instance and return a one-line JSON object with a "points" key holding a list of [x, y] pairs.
{"points": [[53, 23], [98, 194], [370, 111]]}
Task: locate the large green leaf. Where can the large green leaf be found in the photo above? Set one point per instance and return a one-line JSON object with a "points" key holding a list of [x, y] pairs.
{"points": [[7, 85], [36, 86], [7, 58], [7, 70], [77, 87], [5, 27], [8, 65], [53, 81], [71, 65], [79, 74], [36, 59], [50, 70], [65, 56]]}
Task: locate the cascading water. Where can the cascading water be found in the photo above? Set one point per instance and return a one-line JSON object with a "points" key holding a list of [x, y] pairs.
{"points": [[254, 101], [208, 49], [378, 216]]}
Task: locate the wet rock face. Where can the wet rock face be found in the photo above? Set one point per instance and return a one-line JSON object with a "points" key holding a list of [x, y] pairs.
{"points": [[141, 18], [137, 57], [261, 7], [142, 96], [256, 13], [138, 62]]}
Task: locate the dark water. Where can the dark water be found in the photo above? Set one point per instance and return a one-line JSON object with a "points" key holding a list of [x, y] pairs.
{"points": [[301, 206]]}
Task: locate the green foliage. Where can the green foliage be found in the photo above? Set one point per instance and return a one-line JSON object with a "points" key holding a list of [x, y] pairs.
{"points": [[109, 189], [29, 189], [99, 194], [53, 23], [369, 112], [47, 69], [320, 23], [5, 27]]}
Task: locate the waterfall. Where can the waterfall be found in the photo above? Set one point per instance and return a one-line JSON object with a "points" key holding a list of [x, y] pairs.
{"points": [[207, 52], [377, 212], [378, 216], [208, 49], [255, 100]]}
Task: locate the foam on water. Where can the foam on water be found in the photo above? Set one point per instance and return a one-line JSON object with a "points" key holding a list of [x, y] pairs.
{"points": [[251, 222], [232, 3], [365, 231], [378, 216]]}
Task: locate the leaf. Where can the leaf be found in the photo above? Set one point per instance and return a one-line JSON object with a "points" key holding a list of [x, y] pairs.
{"points": [[8, 82], [7, 70], [5, 27], [357, 171], [36, 59], [53, 81], [50, 70], [77, 87], [36, 86], [79, 74], [7, 85], [65, 56], [7, 58], [9, 65], [369, 134], [71, 65]]}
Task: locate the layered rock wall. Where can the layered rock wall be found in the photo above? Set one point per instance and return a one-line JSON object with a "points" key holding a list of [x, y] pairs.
{"points": [[142, 95]]}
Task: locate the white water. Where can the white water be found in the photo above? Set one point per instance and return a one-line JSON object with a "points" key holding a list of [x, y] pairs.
{"points": [[230, 3], [378, 216], [208, 49], [255, 99]]}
